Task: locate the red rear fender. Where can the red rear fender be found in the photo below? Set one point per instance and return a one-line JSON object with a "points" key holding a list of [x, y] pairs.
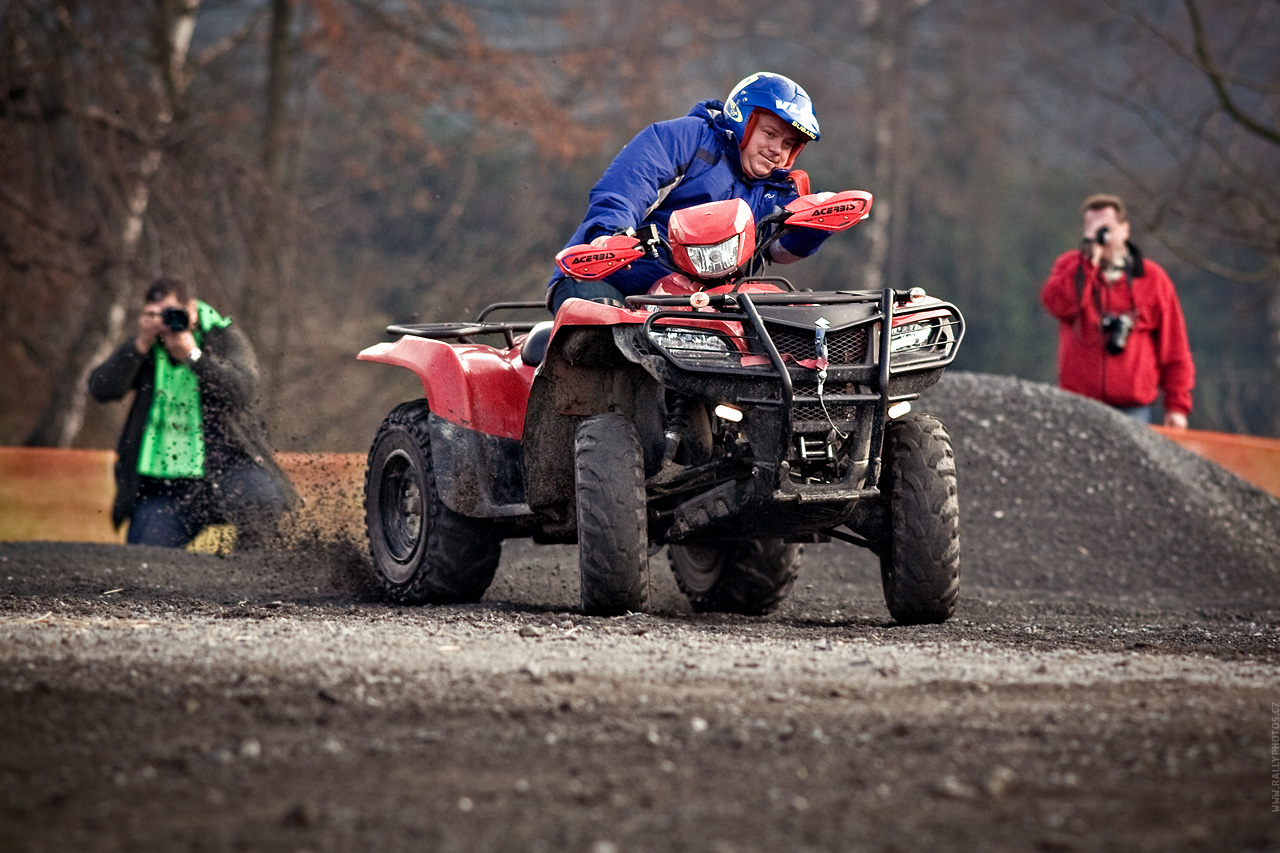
{"points": [[476, 387]]}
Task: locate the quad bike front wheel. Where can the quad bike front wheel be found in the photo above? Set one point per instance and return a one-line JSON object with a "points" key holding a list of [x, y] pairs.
{"points": [[423, 552], [613, 538], [749, 576], [920, 557]]}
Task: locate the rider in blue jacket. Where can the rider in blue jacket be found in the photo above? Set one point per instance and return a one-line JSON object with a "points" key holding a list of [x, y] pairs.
{"points": [[743, 147]]}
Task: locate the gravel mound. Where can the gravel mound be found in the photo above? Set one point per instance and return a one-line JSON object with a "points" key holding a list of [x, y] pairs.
{"points": [[1060, 494]]}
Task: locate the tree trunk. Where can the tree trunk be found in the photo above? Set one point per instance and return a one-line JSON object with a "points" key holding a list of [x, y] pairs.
{"points": [[264, 291], [889, 26]]}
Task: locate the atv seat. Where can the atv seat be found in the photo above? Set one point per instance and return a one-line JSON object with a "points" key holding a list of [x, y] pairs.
{"points": [[534, 348]]}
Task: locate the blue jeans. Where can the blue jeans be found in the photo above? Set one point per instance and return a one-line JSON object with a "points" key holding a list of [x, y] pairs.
{"points": [[170, 513], [1141, 414]]}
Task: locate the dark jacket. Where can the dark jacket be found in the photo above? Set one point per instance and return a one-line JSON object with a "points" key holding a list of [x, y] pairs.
{"points": [[672, 165], [234, 430]]}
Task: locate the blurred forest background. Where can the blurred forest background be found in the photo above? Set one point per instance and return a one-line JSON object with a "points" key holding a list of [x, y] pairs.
{"points": [[321, 168]]}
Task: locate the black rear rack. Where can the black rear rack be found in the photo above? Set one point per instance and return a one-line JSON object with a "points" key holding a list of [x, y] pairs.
{"points": [[463, 332]]}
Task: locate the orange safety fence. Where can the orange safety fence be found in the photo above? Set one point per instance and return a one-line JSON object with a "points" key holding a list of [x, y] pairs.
{"points": [[1252, 459], [56, 495], [65, 495]]}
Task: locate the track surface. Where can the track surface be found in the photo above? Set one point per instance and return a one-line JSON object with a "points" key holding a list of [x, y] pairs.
{"points": [[1111, 680]]}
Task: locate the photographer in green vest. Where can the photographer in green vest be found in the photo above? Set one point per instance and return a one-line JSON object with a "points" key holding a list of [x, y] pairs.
{"points": [[194, 448]]}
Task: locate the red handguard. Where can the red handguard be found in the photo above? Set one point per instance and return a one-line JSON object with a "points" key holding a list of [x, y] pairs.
{"points": [[830, 211], [588, 262]]}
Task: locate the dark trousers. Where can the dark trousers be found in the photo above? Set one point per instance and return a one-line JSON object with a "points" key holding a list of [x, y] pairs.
{"points": [[170, 513], [569, 287]]}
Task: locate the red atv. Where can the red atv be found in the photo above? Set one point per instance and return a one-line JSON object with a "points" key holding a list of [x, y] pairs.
{"points": [[723, 414]]}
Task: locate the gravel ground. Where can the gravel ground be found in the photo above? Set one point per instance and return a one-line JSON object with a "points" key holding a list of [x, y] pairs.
{"points": [[1111, 680]]}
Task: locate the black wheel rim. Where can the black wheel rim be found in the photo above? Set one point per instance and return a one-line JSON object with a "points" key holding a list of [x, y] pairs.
{"points": [[701, 567], [400, 509]]}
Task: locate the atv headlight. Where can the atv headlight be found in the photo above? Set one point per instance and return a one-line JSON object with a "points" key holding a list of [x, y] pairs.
{"points": [[693, 349], [715, 261], [924, 340], [910, 336], [685, 343]]}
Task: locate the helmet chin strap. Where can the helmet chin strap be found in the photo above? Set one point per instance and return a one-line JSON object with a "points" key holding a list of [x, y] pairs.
{"points": [[748, 130], [751, 128]]}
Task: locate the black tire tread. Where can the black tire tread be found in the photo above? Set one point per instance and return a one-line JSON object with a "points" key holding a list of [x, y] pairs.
{"points": [[461, 554], [920, 563], [613, 541]]}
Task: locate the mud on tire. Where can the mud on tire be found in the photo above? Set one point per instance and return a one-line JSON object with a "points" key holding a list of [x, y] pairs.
{"points": [[423, 552], [613, 539], [751, 577], [920, 558]]}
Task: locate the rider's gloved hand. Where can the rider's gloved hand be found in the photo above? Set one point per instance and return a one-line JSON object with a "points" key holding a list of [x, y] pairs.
{"points": [[599, 240], [797, 244]]}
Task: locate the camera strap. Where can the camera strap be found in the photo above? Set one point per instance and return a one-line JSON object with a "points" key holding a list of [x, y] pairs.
{"points": [[1100, 330], [1105, 316], [1135, 268], [1080, 278]]}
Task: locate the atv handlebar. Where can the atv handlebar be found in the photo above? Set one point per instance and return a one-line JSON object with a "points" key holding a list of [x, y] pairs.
{"points": [[822, 211]]}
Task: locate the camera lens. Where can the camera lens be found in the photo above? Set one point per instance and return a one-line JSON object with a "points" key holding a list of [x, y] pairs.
{"points": [[175, 319]]}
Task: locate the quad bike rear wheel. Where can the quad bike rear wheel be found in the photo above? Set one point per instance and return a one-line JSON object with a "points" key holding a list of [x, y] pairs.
{"points": [[423, 552], [750, 576], [920, 557], [613, 538]]}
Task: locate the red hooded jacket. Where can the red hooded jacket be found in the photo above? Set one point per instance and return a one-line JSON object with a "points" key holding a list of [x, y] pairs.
{"points": [[1157, 357]]}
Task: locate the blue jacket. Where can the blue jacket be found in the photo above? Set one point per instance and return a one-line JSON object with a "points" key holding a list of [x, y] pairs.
{"points": [[672, 165]]}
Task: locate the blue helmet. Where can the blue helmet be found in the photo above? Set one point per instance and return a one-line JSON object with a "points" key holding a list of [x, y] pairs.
{"points": [[775, 93]]}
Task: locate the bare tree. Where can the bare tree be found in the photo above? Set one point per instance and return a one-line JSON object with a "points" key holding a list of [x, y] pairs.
{"points": [[129, 154], [268, 288], [428, 145], [1220, 210], [124, 108], [890, 117], [1174, 105]]}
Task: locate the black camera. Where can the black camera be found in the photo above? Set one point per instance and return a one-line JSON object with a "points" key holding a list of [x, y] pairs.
{"points": [[1101, 237], [175, 319], [1117, 328]]}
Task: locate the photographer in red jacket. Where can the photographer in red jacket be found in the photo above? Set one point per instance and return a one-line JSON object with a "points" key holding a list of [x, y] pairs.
{"points": [[1122, 338]]}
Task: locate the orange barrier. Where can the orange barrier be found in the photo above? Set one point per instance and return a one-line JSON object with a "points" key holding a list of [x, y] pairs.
{"points": [[1252, 459], [332, 489], [65, 495], [58, 495]]}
